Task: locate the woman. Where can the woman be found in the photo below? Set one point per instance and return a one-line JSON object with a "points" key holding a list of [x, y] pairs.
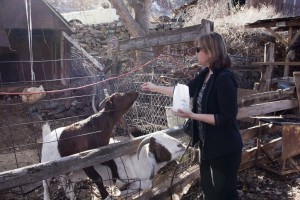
{"points": [[214, 92]]}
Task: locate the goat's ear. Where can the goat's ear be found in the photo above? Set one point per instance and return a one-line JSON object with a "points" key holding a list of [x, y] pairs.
{"points": [[160, 152], [109, 103], [152, 145], [136, 132], [102, 104]]}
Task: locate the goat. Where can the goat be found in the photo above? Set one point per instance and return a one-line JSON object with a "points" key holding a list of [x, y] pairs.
{"points": [[31, 98], [140, 168], [90, 133]]}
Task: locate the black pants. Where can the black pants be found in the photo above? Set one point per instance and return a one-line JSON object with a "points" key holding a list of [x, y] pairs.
{"points": [[219, 177]]}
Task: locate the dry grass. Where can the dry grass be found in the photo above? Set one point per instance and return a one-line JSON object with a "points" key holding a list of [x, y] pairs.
{"points": [[240, 40]]}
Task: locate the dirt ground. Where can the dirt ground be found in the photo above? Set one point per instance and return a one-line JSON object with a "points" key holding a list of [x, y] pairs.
{"points": [[20, 146], [259, 184]]}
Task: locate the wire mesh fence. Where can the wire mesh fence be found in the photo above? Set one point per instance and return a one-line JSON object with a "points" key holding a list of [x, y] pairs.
{"points": [[20, 127]]}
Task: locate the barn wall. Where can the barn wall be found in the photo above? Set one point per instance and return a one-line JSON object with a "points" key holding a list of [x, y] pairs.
{"points": [[13, 15], [43, 47]]}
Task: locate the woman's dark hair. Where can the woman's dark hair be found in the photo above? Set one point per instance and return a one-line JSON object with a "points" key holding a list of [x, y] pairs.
{"points": [[215, 45]]}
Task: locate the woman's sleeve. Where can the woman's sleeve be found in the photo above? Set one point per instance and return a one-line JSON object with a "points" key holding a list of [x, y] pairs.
{"points": [[227, 100]]}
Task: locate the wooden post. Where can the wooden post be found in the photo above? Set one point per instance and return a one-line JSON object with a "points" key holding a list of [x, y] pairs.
{"points": [[65, 66], [113, 52], [76, 45], [266, 71], [287, 66], [297, 84]]}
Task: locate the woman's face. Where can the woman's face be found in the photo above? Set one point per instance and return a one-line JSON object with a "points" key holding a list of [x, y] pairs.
{"points": [[203, 56]]}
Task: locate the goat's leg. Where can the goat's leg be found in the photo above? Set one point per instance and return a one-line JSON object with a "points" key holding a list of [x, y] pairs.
{"points": [[114, 169], [68, 187], [46, 190], [97, 179]]}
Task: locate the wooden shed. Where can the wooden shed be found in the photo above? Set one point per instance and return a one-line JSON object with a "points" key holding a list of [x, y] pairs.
{"points": [[45, 34], [287, 7]]}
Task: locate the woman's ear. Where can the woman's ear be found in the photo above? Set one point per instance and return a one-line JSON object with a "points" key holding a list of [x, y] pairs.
{"points": [[209, 54]]}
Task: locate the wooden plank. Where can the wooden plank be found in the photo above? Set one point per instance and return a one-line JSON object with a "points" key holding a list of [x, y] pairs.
{"points": [[248, 156], [266, 71], [249, 133], [297, 85], [264, 108], [274, 23], [278, 37], [33, 173], [85, 53], [295, 37], [181, 35], [276, 63], [252, 132], [246, 67], [245, 92], [288, 79], [266, 96], [163, 191]]}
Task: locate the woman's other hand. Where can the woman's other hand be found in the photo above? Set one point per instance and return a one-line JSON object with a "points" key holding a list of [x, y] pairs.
{"points": [[183, 113], [148, 86]]}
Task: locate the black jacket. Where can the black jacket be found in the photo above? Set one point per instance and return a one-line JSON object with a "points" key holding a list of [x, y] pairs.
{"points": [[219, 98]]}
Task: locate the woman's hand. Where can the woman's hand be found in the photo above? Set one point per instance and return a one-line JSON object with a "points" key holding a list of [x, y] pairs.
{"points": [[148, 86], [183, 113]]}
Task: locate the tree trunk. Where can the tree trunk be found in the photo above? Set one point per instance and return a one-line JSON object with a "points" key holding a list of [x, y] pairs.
{"points": [[134, 28], [138, 26]]}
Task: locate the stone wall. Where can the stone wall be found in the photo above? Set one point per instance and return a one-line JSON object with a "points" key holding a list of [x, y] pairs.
{"points": [[94, 38]]}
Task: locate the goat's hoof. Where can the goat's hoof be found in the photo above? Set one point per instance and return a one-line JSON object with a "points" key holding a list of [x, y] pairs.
{"points": [[113, 191]]}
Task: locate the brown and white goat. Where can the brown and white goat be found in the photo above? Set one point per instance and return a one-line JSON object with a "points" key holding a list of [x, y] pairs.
{"points": [[90, 133], [137, 170]]}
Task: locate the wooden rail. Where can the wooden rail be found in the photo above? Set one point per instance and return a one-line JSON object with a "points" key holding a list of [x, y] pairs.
{"points": [[33, 173], [276, 63], [80, 49], [29, 174], [187, 34]]}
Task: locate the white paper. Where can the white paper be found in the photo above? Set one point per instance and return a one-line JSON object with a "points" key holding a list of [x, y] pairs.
{"points": [[181, 97]]}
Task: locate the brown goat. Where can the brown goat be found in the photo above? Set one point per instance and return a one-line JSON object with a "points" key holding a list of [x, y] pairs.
{"points": [[90, 133]]}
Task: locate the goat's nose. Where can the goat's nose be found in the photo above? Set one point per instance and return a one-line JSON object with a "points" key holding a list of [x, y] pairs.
{"points": [[179, 145]]}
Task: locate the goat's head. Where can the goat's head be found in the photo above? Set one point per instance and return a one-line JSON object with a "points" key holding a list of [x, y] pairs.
{"points": [[164, 147], [120, 102]]}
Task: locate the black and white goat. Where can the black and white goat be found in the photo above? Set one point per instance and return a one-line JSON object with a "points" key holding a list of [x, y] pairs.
{"points": [[90, 133], [137, 169]]}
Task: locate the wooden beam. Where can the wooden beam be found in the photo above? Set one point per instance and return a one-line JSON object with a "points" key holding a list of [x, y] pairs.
{"points": [[181, 35], [180, 181], [266, 96], [264, 108], [297, 85], [86, 54], [295, 37], [276, 63], [289, 39], [248, 156], [252, 132], [274, 23], [266, 71], [278, 37], [247, 67], [242, 92], [29, 174]]}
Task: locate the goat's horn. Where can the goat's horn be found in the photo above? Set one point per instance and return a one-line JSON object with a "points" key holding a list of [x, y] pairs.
{"points": [[93, 103], [143, 143]]}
